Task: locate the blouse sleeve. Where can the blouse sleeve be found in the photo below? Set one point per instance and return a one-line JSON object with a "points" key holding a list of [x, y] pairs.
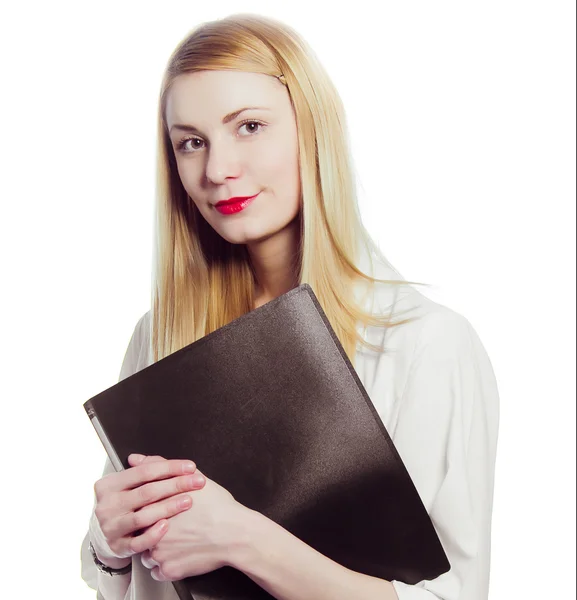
{"points": [[89, 572], [446, 434]]}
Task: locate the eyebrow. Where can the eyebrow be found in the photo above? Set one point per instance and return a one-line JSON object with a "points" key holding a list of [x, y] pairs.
{"points": [[226, 119]]}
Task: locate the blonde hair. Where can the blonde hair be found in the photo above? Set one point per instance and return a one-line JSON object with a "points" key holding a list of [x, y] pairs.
{"points": [[201, 282]]}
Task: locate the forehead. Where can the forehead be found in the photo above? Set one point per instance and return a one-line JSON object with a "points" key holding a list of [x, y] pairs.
{"points": [[206, 96]]}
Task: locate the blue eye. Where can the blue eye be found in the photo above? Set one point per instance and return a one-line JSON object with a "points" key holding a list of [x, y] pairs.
{"points": [[182, 143]]}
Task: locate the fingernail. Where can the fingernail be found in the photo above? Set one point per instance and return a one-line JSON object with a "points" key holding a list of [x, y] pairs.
{"points": [[162, 525], [185, 502], [189, 467], [198, 479], [137, 458]]}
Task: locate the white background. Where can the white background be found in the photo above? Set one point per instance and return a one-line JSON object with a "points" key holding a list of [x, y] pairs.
{"points": [[462, 116]]}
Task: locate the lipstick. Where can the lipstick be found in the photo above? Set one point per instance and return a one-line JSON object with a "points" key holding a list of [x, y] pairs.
{"points": [[230, 208]]}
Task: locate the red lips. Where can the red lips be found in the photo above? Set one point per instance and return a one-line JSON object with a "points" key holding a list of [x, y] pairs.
{"points": [[234, 206], [233, 200]]}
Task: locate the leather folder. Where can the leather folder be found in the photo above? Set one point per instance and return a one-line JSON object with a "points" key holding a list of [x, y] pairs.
{"points": [[271, 408]]}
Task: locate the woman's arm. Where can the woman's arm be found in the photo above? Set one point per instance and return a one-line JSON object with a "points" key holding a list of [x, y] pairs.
{"points": [[111, 587], [289, 569], [108, 587]]}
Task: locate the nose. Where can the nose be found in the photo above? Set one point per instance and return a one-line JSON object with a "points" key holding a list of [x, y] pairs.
{"points": [[222, 162]]}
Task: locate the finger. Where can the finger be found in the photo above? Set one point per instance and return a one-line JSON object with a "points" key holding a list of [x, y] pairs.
{"points": [[138, 459], [148, 539], [135, 522], [144, 473], [147, 560], [151, 493], [135, 459], [153, 458], [157, 574]]}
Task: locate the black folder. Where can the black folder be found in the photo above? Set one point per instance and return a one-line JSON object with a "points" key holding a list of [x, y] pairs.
{"points": [[270, 407]]}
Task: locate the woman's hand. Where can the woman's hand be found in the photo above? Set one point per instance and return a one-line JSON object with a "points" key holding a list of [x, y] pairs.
{"points": [[141, 497], [202, 539]]}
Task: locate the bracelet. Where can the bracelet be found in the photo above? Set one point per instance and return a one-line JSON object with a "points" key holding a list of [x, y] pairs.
{"points": [[105, 568]]}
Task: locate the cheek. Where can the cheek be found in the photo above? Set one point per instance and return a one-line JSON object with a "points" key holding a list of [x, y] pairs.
{"points": [[186, 175], [280, 167]]}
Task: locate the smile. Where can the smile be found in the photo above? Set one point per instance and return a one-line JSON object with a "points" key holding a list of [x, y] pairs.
{"points": [[234, 207]]}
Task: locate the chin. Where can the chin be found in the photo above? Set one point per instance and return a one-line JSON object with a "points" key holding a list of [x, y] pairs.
{"points": [[239, 235], [247, 239]]}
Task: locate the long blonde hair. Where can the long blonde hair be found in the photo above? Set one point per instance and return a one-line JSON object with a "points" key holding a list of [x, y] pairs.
{"points": [[202, 282]]}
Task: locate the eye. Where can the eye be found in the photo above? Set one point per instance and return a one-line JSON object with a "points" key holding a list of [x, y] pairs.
{"points": [[258, 123], [181, 145]]}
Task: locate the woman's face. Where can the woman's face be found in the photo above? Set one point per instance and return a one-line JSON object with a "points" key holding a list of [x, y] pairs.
{"points": [[254, 152]]}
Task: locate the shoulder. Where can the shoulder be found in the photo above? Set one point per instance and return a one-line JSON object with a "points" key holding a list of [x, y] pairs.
{"points": [[436, 336], [430, 357], [141, 335], [139, 351], [449, 381], [143, 325], [435, 339], [442, 331], [427, 323]]}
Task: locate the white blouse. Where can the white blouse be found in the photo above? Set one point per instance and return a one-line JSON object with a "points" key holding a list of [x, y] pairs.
{"points": [[435, 391]]}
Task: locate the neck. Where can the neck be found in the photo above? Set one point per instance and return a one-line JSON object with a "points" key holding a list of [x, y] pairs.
{"points": [[275, 262]]}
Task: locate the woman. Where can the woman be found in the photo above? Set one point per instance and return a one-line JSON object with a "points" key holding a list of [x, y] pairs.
{"points": [[247, 111]]}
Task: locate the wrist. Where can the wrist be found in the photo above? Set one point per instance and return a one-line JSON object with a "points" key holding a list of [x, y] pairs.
{"points": [[251, 528], [101, 548], [114, 562]]}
